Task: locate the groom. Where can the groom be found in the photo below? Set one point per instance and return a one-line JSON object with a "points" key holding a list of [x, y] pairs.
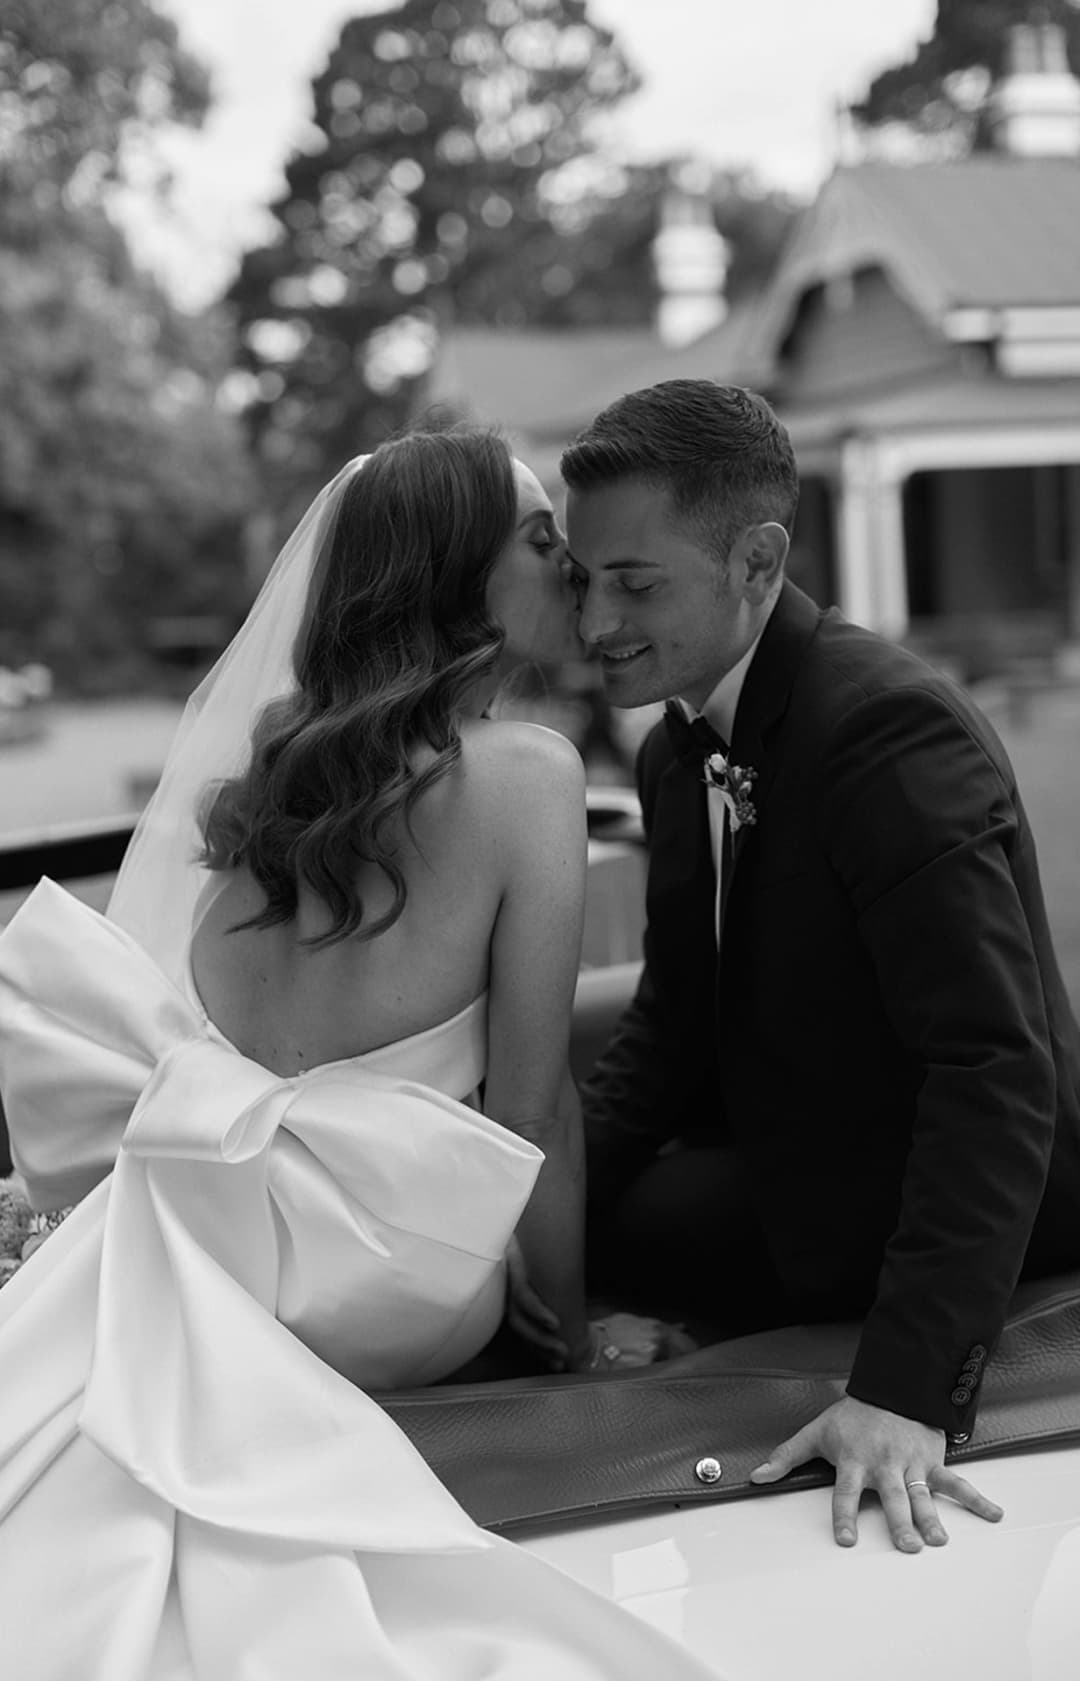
{"points": [[849, 1084]]}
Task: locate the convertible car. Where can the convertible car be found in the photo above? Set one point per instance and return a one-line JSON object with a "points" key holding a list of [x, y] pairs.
{"points": [[638, 1484]]}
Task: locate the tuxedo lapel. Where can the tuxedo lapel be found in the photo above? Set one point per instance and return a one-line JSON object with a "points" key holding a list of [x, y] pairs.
{"points": [[762, 704]]}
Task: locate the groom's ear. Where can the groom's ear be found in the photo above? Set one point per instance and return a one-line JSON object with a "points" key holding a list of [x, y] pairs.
{"points": [[762, 551]]}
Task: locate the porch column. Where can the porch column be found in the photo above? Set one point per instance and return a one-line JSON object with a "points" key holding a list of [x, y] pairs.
{"points": [[853, 541], [871, 571], [1072, 553], [889, 558]]}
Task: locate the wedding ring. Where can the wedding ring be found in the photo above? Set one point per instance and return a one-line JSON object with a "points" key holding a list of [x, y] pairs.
{"points": [[603, 1349], [917, 1482]]}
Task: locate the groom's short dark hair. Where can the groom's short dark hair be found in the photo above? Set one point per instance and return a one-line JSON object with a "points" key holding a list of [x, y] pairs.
{"points": [[719, 451]]}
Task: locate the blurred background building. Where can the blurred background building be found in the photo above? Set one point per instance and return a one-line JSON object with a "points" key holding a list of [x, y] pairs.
{"points": [[920, 336]]}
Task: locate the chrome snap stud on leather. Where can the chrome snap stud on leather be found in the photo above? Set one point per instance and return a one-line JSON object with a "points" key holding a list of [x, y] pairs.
{"points": [[708, 1470]]}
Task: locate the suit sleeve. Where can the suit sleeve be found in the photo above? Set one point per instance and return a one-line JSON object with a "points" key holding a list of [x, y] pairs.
{"points": [[925, 831], [648, 1085]]}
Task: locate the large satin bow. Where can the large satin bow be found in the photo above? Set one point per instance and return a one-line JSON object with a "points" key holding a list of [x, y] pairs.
{"points": [[159, 1291], [85, 1016]]}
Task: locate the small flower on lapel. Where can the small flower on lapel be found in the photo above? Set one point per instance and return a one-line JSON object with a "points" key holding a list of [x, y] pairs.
{"points": [[734, 783]]}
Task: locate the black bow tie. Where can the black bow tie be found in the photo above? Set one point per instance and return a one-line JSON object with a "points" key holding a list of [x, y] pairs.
{"points": [[692, 738]]}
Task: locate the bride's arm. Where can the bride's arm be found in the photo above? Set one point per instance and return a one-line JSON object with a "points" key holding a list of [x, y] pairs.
{"points": [[535, 951]]}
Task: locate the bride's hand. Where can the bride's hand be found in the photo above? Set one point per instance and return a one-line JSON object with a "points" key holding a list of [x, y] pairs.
{"points": [[527, 1316], [625, 1340]]}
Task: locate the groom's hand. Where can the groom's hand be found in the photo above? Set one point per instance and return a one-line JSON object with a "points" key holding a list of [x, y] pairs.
{"points": [[902, 1460]]}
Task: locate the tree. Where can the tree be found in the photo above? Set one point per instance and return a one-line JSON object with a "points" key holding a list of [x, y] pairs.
{"points": [[448, 164], [123, 482], [124, 486], [939, 91], [80, 81], [595, 264], [755, 221]]}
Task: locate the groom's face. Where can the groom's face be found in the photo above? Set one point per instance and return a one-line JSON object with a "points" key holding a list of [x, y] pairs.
{"points": [[665, 616]]}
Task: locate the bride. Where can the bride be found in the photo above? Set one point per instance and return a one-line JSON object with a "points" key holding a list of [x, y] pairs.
{"points": [[307, 1087]]}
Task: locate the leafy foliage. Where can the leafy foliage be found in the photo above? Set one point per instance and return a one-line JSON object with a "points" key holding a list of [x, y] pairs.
{"points": [[449, 171], [755, 221], [79, 80], [939, 90], [123, 484]]}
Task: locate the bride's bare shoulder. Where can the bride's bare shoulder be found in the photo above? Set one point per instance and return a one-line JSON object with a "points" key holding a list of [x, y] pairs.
{"points": [[524, 795], [521, 755]]}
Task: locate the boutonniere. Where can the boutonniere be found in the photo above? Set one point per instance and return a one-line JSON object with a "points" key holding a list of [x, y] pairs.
{"points": [[734, 783]]}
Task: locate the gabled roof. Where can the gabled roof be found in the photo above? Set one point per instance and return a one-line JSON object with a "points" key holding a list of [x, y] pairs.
{"points": [[986, 232], [533, 380], [966, 401], [550, 383]]}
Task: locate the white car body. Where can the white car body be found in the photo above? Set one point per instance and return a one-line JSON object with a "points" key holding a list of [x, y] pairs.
{"points": [[758, 1590]]}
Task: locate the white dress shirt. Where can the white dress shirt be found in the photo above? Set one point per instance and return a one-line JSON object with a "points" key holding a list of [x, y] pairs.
{"points": [[719, 711]]}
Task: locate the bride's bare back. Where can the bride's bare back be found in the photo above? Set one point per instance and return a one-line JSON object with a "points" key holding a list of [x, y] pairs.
{"points": [[493, 874]]}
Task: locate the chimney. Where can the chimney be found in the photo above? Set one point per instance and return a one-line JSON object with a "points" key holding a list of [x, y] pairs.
{"points": [[1035, 108], [691, 257]]}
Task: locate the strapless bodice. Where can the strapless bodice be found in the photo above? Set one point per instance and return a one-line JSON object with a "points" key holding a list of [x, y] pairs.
{"points": [[451, 1056], [379, 1203]]}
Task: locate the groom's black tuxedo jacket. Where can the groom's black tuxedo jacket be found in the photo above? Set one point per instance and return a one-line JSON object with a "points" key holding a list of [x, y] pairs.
{"points": [[885, 1038]]}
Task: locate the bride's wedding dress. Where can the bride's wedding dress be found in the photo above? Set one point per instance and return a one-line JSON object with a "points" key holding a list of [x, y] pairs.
{"points": [[193, 1483]]}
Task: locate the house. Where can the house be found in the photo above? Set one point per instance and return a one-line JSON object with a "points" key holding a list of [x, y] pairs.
{"points": [[920, 337]]}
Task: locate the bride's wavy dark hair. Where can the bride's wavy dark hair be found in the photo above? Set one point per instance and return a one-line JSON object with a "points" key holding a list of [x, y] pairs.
{"points": [[395, 634]]}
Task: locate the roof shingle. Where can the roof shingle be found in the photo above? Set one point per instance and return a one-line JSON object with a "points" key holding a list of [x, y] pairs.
{"points": [[551, 383], [985, 232], [993, 231]]}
